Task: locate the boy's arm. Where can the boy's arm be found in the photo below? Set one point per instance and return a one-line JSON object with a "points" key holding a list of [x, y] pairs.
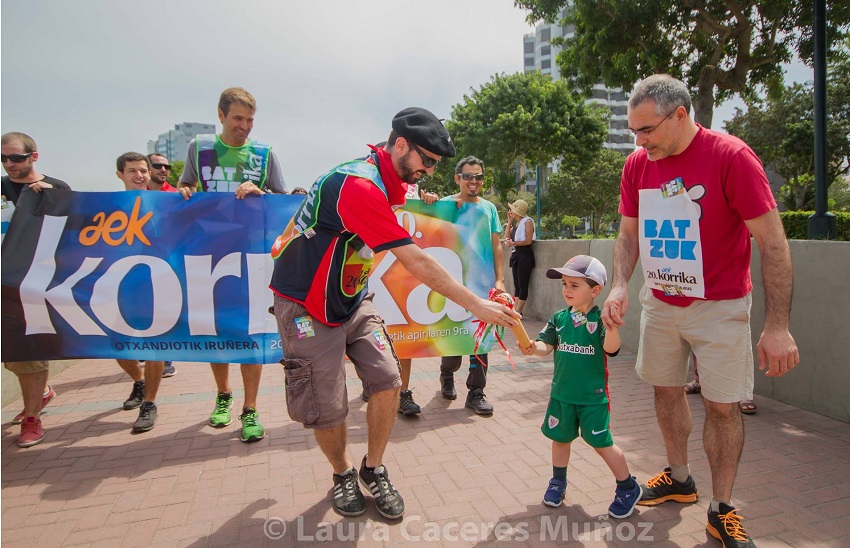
{"points": [[612, 341], [538, 348]]}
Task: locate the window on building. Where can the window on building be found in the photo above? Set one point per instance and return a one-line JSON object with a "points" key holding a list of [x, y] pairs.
{"points": [[529, 61], [529, 46], [545, 35], [546, 50], [545, 64]]}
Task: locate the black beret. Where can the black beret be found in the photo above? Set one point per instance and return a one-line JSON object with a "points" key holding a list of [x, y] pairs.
{"points": [[424, 130]]}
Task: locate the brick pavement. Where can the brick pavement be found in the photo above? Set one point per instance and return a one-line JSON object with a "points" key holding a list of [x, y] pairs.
{"points": [[92, 482]]}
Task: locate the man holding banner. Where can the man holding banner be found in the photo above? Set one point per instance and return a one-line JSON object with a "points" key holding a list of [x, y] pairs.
{"points": [[469, 176], [133, 169], [324, 310], [231, 162], [19, 154]]}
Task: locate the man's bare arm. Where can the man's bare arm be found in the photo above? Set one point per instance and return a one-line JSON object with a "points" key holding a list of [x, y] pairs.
{"points": [[776, 347]]}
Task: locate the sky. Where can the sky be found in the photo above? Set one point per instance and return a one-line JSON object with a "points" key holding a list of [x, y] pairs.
{"points": [[92, 79]]}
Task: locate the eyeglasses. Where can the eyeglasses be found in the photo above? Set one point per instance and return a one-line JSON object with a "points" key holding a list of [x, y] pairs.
{"points": [[15, 158], [427, 161], [470, 176], [166, 167], [646, 131]]}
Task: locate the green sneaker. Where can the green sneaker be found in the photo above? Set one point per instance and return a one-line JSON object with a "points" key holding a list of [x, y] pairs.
{"points": [[252, 430], [221, 414]]}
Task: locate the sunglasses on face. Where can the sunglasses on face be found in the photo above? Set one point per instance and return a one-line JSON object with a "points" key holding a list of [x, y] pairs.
{"points": [[427, 161], [161, 166], [15, 158], [470, 176]]}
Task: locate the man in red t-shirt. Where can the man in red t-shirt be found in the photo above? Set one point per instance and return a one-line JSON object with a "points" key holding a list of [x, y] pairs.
{"points": [[324, 309], [689, 198]]}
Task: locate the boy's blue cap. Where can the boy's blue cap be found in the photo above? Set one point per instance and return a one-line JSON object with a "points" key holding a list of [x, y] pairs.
{"points": [[581, 266]]}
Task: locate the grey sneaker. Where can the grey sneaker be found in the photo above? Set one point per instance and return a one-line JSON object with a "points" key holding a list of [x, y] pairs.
{"points": [[406, 405], [478, 402], [169, 370], [137, 395], [348, 500], [387, 500], [447, 386], [147, 417]]}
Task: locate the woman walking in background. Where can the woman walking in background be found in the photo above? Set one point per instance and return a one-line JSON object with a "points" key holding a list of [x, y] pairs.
{"points": [[519, 236]]}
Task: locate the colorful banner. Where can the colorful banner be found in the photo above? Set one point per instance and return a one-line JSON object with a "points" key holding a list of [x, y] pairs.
{"points": [[149, 275]]}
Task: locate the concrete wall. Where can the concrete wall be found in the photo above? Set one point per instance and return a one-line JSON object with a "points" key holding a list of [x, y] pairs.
{"points": [[820, 318]]}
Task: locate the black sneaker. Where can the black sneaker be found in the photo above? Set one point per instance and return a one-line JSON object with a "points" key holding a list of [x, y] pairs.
{"points": [[387, 500], [168, 370], [725, 526], [147, 417], [348, 500], [137, 396], [663, 487], [447, 386], [406, 405], [478, 402]]}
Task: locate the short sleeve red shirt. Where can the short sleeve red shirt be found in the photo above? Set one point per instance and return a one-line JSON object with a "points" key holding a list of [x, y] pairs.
{"points": [[346, 217], [726, 179]]}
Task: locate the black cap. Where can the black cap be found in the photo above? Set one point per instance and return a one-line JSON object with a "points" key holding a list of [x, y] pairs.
{"points": [[424, 130]]}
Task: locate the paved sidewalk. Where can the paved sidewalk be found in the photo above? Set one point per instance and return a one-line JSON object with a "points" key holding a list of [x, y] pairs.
{"points": [[466, 480]]}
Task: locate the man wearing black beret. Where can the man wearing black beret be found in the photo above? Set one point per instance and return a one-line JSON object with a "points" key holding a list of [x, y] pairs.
{"points": [[324, 309]]}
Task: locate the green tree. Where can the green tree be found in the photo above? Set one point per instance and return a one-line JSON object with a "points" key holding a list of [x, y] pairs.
{"points": [[177, 167], [718, 47], [528, 118], [780, 129], [587, 190]]}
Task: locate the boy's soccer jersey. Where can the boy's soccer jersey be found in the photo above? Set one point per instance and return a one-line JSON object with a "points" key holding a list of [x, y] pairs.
{"points": [[581, 366]]}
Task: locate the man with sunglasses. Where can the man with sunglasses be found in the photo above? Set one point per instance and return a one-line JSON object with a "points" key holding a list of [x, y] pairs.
{"points": [[324, 309], [690, 198], [469, 176], [233, 163], [19, 154], [160, 168]]}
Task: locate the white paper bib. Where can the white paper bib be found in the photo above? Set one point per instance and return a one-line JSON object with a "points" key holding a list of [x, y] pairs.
{"points": [[670, 243]]}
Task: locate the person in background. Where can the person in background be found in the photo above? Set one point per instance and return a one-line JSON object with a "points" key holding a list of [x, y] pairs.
{"points": [[519, 236], [19, 155], [134, 172]]}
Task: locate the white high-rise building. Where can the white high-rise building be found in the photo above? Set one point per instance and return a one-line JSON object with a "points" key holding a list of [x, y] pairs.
{"points": [[540, 54], [174, 142]]}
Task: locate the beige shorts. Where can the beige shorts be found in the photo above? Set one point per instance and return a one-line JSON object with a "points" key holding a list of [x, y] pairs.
{"points": [[718, 333], [21, 368], [314, 361]]}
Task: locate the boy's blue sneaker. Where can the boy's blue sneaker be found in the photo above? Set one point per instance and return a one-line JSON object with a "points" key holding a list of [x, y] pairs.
{"points": [[625, 501], [555, 493]]}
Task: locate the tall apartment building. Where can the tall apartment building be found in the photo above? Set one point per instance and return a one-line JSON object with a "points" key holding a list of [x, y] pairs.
{"points": [[174, 142], [540, 54]]}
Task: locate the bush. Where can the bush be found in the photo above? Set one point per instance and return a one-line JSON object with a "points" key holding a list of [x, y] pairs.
{"points": [[796, 224]]}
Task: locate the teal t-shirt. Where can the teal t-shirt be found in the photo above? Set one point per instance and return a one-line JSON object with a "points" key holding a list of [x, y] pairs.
{"points": [[581, 366]]}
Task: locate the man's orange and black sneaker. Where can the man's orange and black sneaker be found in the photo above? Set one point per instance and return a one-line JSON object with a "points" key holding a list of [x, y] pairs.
{"points": [[663, 487], [725, 526]]}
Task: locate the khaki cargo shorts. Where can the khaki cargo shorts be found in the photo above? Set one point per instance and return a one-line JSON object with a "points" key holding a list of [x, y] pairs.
{"points": [[314, 361], [718, 333]]}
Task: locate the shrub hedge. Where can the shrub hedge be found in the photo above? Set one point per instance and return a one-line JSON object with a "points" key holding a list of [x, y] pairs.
{"points": [[796, 224]]}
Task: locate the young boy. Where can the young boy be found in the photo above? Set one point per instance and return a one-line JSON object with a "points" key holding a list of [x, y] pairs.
{"points": [[579, 397]]}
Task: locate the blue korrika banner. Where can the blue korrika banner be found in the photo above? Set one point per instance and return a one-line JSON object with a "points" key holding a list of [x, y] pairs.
{"points": [[141, 275], [149, 275]]}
